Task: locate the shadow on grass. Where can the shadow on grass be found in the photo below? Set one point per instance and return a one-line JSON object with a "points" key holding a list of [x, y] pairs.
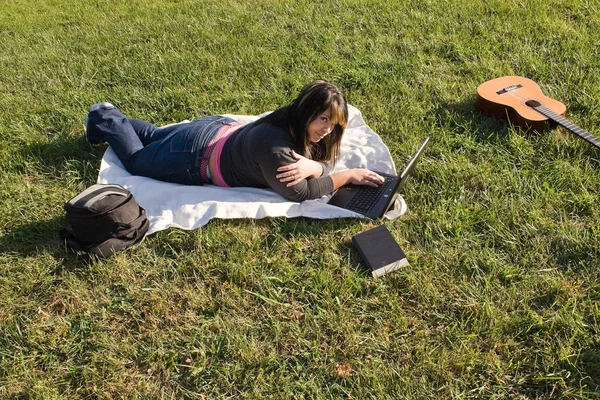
{"points": [[574, 257], [63, 158], [224, 239], [586, 371], [33, 238], [42, 237], [464, 119], [314, 228]]}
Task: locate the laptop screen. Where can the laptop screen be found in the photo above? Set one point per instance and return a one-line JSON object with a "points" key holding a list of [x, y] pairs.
{"points": [[410, 167]]}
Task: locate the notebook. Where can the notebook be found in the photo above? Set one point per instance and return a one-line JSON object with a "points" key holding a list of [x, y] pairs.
{"points": [[374, 202], [380, 251]]}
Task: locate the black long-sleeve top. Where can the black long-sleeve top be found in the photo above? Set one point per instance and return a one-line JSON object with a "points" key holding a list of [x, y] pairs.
{"points": [[252, 154]]}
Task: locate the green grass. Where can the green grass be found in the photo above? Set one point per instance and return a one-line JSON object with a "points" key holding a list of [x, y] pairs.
{"points": [[501, 299]]}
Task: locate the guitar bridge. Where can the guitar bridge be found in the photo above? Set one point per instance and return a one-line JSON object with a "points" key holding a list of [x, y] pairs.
{"points": [[509, 88]]}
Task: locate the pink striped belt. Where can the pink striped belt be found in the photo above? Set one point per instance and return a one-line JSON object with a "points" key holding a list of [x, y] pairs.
{"points": [[216, 145]]}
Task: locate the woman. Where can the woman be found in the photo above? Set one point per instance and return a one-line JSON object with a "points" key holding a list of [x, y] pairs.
{"points": [[291, 150]]}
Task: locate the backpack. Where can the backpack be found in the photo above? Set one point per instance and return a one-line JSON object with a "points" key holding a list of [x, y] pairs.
{"points": [[103, 219]]}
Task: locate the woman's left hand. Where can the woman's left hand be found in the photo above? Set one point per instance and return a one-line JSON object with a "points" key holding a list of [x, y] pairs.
{"points": [[303, 168]]}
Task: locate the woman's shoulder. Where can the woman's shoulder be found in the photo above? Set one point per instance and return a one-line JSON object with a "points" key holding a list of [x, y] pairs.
{"points": [[270, 134], [267, 140]]}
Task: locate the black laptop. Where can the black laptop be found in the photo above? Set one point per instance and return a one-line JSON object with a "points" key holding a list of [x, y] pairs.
{"points": [[373, 202]]}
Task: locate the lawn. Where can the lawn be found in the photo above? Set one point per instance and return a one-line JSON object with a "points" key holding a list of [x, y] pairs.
{"points": [[501, 298]]}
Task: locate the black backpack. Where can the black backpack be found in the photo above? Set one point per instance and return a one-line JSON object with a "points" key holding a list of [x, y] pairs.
{"points": [[103, 219]]}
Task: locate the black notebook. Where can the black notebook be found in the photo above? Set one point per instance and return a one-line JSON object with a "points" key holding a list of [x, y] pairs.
{"points": [[379, 250]]}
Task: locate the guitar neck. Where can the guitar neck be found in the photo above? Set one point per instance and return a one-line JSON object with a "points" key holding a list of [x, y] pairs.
{"points": [[562, 121]]}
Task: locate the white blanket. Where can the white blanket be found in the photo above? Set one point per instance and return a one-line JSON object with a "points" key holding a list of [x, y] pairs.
{"points": [[189, 207]]}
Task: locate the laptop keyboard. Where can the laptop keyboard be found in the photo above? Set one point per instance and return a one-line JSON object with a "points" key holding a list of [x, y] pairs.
{"points": [[366, 196]]}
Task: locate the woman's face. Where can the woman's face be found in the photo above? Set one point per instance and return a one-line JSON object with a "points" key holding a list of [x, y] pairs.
{"points": [[320, 127]]}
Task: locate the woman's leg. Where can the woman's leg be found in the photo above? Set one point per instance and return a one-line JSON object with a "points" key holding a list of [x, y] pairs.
{"points": [[105, 123], [129, 138], [97, 132], [149, 133], [172, 153]]}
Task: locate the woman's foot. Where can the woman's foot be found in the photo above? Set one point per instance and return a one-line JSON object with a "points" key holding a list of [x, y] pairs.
{"points": [[95, 136]]}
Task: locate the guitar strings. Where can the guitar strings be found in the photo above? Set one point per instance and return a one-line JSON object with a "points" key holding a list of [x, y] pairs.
{"points": [[562, 121]]}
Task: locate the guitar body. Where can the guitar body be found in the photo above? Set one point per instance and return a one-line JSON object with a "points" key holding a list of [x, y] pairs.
{"points": [[505, 97]]}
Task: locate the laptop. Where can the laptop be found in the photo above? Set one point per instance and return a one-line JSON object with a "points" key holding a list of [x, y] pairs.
{"points": [[374, 202]]}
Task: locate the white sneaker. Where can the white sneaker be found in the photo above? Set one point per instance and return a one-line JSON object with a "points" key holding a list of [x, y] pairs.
{"points": [[98, 106]]}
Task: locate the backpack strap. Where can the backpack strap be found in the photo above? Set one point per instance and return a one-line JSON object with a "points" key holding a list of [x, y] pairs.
{"points": [[125, 229], [112, 245], [97, 191]]}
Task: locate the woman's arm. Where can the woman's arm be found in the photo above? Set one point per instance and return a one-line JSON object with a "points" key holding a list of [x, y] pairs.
{"points": [[273, 156], [304, 168], [305, 189], [302, 180], [314, 188]]}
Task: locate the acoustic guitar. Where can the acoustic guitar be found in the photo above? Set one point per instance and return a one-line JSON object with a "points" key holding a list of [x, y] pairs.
{"points": [[521, 101]]}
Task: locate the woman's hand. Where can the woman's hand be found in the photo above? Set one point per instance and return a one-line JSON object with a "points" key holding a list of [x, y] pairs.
{"points": [[303, 168], [357, 176], [361, 176]]}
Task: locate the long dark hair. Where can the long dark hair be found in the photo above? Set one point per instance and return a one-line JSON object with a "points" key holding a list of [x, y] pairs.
{"points": [[313, 100]]}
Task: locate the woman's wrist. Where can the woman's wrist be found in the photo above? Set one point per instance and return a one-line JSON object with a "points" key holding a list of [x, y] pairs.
{"points": [[341, 178], [318, 170]]}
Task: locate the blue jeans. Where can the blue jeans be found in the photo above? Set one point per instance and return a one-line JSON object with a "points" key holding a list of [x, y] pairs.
{"points": [[171, 154]]}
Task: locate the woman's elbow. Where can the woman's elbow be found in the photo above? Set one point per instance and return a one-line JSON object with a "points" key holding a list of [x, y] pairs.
{"points": [[297, 195]]}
